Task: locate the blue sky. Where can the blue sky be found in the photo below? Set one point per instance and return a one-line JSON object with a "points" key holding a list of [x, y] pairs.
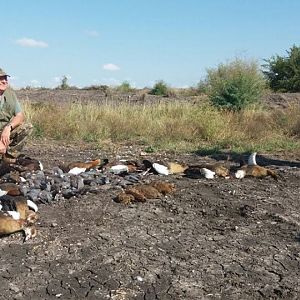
{"points": [[108, 42]]}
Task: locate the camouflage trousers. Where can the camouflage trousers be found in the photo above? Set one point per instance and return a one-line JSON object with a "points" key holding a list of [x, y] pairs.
{"points": [[18, 137]]}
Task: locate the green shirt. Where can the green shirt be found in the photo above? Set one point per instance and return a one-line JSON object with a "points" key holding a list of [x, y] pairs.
{"points": [[9, 106]]}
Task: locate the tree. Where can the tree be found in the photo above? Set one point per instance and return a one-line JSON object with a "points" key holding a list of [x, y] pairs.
{"points": [[160, 89], [125, 87], [283, 72], [64, 83], [234, 85]]}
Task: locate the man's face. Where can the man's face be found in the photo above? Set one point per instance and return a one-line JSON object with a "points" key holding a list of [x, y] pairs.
{"points": [[3, 83]]}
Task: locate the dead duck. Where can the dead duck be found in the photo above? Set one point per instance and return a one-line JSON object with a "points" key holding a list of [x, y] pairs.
{"points": [[255, 171], [142, 192], [252, 169], [207, 170], [30, 164], [25, 208], [133, 165], [252, 159], [10, 188], [163, 187], [221, 170], [80, 167], [5, 168], [123, 167], [10, 224], [176, 168], [125, 198], [164, 169], [25, 163]]}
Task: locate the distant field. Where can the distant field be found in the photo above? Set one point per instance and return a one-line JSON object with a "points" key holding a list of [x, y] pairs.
{"points": [[139, 96], [98, 96]]}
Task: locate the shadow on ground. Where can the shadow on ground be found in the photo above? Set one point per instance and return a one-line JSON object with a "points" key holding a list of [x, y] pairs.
{"points": [[236, 157]]}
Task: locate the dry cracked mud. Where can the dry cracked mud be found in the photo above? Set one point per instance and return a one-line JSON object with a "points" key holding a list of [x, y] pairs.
{"points": [[211, 239]]}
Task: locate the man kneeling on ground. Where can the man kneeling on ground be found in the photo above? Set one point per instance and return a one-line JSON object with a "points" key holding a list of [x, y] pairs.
{"points": [[12, 127]]}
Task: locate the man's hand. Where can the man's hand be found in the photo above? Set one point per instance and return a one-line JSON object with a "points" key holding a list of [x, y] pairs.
{"points": [[5, 136], [2, 148]]}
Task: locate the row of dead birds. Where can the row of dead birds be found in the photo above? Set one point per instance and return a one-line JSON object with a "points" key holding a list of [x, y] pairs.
{"points": [[18, 213], [210, 171], [141, 192], [249, 169]]}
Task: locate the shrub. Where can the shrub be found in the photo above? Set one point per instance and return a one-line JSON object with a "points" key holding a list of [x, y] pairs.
{"points": [[283, 73], [160, 89], [104, 88], [202, 87], [64, 83], [235, 85], [125, 87]]}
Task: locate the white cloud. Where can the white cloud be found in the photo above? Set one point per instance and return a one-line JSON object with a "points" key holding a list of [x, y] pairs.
{"points": [[111, 67], [35, 82], [92, 33], [25, 42]]}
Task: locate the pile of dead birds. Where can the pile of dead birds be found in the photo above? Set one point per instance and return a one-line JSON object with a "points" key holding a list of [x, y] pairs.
{"points": [[26, 183], [77, 178]]}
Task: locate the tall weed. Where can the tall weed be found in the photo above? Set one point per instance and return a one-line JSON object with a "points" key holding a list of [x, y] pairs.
{"points": [[186, 126]]}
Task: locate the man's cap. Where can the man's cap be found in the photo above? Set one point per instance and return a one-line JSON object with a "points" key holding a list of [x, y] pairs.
{"points": [[3, 73]]}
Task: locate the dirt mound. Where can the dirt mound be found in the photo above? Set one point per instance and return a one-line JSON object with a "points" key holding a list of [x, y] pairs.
{"points": [[210, 239], [282, 100], [272, 100], [98, 96]]}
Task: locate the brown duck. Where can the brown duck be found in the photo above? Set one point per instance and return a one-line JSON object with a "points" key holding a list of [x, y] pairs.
{"points": [[252, 169], [142, 192], [84, 166], [10, 224]]}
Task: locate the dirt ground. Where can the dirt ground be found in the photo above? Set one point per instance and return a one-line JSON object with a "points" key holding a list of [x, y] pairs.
{"points": [[211, 239]]}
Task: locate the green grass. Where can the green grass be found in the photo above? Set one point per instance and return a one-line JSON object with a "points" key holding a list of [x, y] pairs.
{"points": [[172, 126]]}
